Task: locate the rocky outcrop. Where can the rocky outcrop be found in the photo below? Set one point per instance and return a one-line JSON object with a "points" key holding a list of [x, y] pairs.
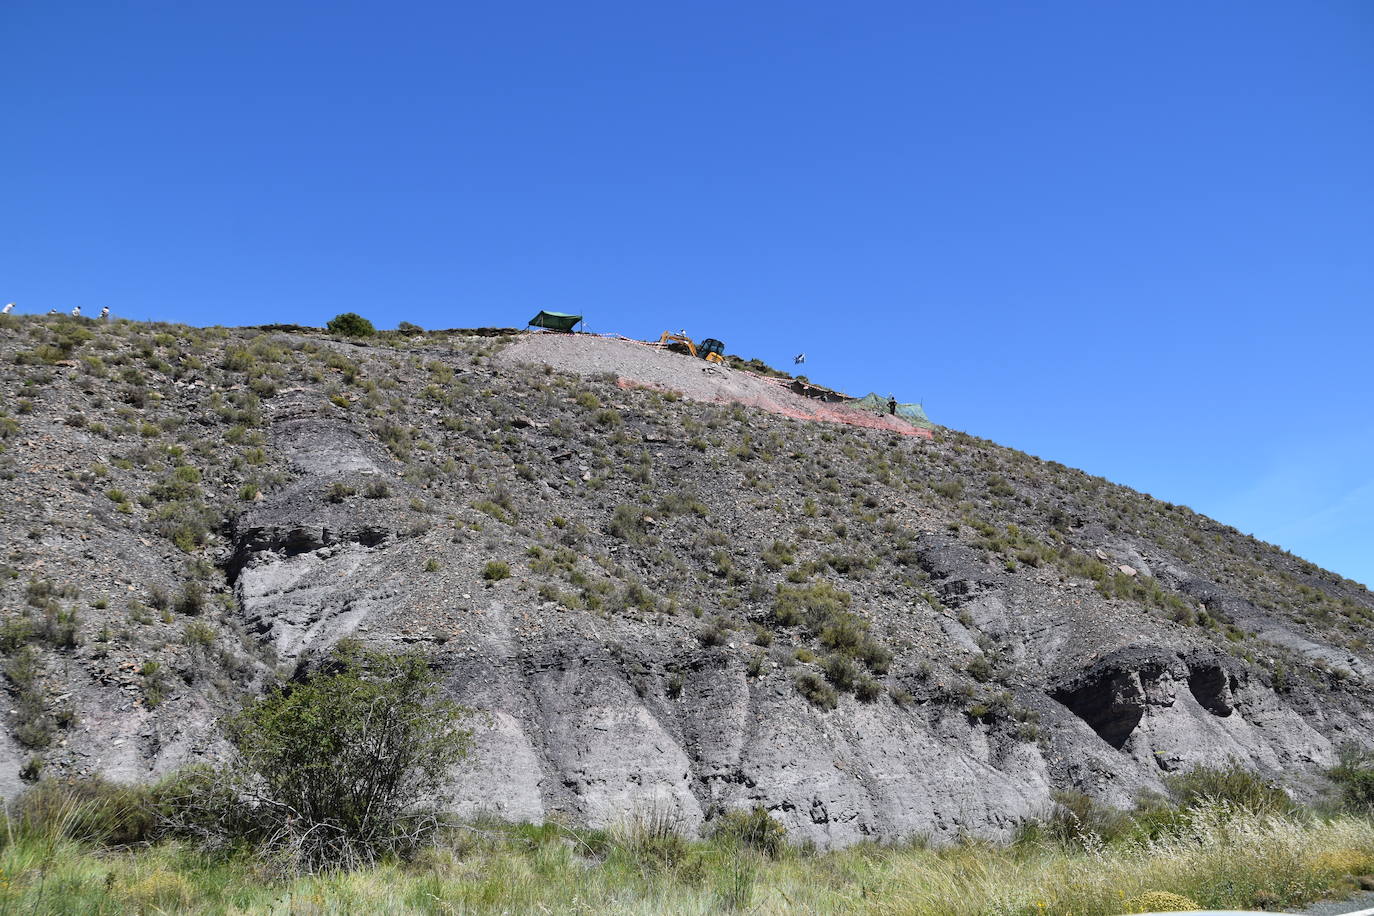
{"points": [[1171, 710]]}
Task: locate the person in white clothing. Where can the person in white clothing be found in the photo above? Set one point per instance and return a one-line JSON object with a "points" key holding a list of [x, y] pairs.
{"points": [[105, 312], [9, 308], [76, 311]]}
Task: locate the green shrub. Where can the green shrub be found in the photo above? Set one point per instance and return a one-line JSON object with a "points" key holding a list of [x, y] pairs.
{"points": [[338, 769], [815, 604], [998, 486], [350, 324], [186, 524], [33, 725], [198, 634], [755, 829], [608, 417], [15, 631], [868, 689], [949, 489], [876, 656], [653, 841], [844, 632], [627, 523], [59, 627], [495, 571], [191, 601], [1075, 820], [677, 503], [756, 665], [714, 634], [816, 690], [1354, 777], [90, 810], [1232, 784], [338, 492], [841, 672], [980, 669]]}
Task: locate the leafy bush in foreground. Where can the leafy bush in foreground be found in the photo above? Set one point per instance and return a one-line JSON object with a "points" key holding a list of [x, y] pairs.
{"points": [[334, 770]]}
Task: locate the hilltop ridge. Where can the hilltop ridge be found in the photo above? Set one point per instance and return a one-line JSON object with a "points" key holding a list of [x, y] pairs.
{"points": [[665, 598]]}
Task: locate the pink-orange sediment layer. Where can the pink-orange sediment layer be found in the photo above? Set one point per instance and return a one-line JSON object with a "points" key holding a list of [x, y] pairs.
{"points": [[792, 405]]}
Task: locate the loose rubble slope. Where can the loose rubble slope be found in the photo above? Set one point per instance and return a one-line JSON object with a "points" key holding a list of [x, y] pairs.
{"points": [[655, 603]]}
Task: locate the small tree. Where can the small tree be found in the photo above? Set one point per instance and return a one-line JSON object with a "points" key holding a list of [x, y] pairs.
{"points": [[341, 767], [350, 324]]}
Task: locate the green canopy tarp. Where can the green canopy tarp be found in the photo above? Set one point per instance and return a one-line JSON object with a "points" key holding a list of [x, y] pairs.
{"points": [[913, 413], [555, 321]]}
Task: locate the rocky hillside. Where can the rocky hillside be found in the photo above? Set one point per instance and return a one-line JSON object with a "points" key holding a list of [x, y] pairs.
{"points": [[655, 603]]}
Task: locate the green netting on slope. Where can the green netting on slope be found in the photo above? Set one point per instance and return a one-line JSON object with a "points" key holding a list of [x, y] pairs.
{"points": [[913, 413], [555, 321]]}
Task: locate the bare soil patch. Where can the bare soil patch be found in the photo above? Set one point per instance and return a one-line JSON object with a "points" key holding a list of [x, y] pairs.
{"points": [[637, 365]]}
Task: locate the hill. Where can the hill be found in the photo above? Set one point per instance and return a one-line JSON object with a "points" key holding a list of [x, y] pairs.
{"points": [[662, 598]]}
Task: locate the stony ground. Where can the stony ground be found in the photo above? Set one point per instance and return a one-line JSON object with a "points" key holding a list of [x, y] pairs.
{"points": [[658, 604]]}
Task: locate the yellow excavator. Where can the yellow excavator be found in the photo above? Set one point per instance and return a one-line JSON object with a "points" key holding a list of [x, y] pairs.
{"points": [[711, 350]]}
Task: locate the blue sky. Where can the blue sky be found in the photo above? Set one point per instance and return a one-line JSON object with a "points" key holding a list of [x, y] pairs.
{"points": [[1136, 238]]}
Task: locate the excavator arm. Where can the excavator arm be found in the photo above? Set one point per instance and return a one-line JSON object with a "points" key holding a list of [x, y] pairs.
{"points": [[711, 350], [679, 338]]}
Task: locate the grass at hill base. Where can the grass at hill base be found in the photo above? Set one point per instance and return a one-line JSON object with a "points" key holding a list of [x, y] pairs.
{"points": [[1216, 858]]}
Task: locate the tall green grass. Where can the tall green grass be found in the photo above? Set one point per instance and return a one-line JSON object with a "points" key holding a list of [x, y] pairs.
{"points": [[1214, 854]]}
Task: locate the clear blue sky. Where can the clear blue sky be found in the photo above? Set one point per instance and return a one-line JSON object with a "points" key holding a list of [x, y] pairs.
{"points": [[1134, 237]]}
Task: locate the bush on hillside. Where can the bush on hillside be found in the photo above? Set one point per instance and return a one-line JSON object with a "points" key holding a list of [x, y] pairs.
{"points": [[755, 829], [1232, 784], [1354, 777], [814, 688], [335, 770], [350, 324]]}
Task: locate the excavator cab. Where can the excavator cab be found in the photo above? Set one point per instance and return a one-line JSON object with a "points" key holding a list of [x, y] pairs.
{"points": [[712, 350]]}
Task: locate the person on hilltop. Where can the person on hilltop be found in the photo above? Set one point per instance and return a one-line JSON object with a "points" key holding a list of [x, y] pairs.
{"points": [[892, 405], [799, 359], [105, 313], [7, 309], [76, 311]]}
